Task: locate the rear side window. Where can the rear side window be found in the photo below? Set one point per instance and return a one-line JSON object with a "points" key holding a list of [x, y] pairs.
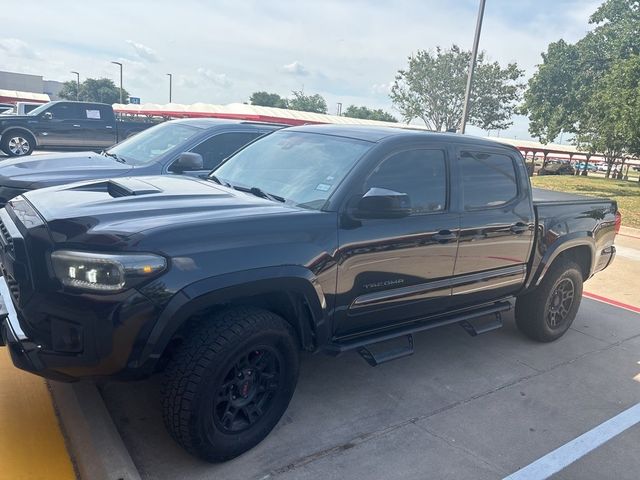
{"points": [[95, 112], [488, 179], [215, 149], [421, 174]]}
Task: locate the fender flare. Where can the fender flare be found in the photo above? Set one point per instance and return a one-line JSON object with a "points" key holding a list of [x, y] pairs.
{"points": [[219, 289], [24, 129], [571, 240]]}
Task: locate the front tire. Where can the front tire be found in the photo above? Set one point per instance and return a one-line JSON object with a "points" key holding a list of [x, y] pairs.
{"points": [[230, 382], [17, 144], [546, 313]]}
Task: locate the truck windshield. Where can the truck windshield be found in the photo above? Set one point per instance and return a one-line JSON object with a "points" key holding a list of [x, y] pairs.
{"points": [[146, 146], [302, 168]]}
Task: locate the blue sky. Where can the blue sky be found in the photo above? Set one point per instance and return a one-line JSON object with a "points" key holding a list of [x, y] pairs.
{"points": [[221, 51]]}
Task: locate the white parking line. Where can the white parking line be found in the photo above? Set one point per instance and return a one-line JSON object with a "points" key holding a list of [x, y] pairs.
{"points": [[564, 456]]}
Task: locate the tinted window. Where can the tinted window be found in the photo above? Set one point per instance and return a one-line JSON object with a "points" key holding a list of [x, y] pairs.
{"points": [[65, 111], [419, 173], [304, 168], [219, 147], [488, 179]]}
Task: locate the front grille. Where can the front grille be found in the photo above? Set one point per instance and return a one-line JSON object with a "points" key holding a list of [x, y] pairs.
{"points": [[14, 288], [6, 237]]}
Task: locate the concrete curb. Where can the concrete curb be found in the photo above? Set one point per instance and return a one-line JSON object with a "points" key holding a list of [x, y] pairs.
{"points": [[93, 441]]}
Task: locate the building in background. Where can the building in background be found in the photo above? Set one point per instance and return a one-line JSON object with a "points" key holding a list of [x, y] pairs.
{"points": [[16, 87]]}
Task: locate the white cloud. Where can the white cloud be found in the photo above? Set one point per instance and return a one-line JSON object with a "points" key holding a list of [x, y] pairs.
{"points": [[219, 79], [295, 68], [144, 52], [381, 88], [13, 47]]}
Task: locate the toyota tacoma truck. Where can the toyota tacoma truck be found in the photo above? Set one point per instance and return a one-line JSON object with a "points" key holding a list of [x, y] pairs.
{"points": [[314, 238], [65, 125]]}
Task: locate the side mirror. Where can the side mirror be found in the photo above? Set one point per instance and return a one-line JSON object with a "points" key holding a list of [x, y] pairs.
{"points": [[383, 203], [188, 161], [47, 115]]}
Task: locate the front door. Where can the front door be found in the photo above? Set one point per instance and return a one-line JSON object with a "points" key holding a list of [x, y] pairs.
{"points": [[62, 128], [396, 269]]}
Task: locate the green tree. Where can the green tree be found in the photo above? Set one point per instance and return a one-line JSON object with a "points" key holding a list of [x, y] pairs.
{"points": [[369, 114], [101, 90], [571, 90], [611, 122], [432, 89], [267, 99], [307, 103]]}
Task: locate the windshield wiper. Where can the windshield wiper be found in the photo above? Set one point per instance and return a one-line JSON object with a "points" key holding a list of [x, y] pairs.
{"points": [[114, 156], [260, 193], [218, 181]]}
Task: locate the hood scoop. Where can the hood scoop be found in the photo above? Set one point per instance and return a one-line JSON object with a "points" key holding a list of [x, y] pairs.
{"points": [[127, 187]]}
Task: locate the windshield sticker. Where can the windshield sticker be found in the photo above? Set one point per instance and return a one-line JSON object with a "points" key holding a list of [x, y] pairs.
{"points": [[323, 187]]}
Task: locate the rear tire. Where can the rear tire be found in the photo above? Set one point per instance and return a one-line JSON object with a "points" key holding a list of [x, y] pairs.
{"points": [[17, 143], [230, 382], [546, 313]]}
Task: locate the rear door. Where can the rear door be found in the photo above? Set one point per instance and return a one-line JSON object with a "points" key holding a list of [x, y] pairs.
{"points": [[496, 226], [391, 270], [97, 126]]}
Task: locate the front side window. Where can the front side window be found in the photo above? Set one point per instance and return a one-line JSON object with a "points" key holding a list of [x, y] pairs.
{"points": [[303, 168], [215, 149], [421, 174], [65, 111], [488, 179], [144, 147]]}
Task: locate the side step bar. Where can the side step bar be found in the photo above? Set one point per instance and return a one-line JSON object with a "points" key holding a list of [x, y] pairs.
{"points": [[364, 344]]}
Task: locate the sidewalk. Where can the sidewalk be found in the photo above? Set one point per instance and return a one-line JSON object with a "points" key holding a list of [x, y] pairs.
{"points": [[620, 280], [31, 444]]}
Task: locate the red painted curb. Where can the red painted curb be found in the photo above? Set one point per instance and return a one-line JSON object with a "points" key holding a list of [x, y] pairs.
{"points": [[610, 301]]}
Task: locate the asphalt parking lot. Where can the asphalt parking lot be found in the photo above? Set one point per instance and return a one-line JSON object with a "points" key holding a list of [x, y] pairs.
{"points": [[461, 407]]}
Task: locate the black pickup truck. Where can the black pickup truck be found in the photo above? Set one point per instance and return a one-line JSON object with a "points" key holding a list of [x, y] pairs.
{"points": [[315, 238], [65, 125]]}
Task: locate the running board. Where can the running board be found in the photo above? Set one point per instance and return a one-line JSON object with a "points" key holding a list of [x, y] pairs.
{"points": [[364, 344]]}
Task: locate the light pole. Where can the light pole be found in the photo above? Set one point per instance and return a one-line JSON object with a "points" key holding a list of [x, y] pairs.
{"points": [[472, 66], [339, 108], [120, 65], [170, 81], [78, 87]]}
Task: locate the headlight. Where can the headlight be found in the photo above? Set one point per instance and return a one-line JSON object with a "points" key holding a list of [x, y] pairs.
{"points": [[105, 272]]}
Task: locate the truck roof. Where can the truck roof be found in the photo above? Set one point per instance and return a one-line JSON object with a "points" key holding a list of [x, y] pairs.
{"points": [[378, 134]]}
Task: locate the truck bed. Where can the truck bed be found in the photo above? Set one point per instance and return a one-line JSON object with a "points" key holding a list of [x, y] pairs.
{"points": [[542, 197]]}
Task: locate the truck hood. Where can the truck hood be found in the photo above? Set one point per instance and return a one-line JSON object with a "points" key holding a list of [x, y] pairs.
{"points": [[39, 171], [108, 212]]}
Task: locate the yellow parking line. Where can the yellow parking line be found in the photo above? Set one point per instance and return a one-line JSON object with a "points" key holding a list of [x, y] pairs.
{"points": [[31, 444]]}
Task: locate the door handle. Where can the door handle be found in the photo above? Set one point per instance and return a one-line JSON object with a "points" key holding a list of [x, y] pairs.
{"points": [[519, 228], [444, 236], [77, 126]]}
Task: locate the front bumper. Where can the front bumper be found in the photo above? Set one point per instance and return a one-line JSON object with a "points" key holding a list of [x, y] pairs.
{"points": [[23, 351]]}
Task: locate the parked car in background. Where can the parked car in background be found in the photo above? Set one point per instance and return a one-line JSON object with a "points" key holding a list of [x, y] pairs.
{"points": [[591, 167], [21, 108], [159, 150], [316, 238], [557, 168], [65, 125]]}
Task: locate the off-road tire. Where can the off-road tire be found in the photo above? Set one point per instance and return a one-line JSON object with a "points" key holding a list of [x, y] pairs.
{"points": [[541, 314], [198, 376]]}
